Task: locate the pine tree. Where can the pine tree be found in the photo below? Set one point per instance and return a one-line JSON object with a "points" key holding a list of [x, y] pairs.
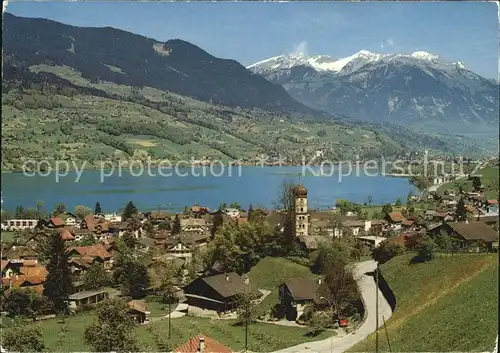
{"points": [[216, 224], [58, 286], [461, 212], [176, 227], [250, 211], [97, 209], [129, 211]]}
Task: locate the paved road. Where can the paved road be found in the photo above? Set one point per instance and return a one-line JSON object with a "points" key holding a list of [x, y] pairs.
{"points": [[341, 344]]}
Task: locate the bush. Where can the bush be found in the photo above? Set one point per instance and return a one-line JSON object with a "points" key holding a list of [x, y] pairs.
{"points": [[386, 251]]}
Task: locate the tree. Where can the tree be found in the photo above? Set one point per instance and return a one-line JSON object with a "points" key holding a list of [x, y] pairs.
{"points": [[60, 209], [247, 310], [176, 227], [398, 202], [425, 251], [95, 277], [217, 222], [39, 209], [18, 302], [286, 205], [130, 210], [318, 323], [19, 213], [82, 211], [404, 212], [411, 210], [250, 211], [338, 251], [58, 286], [386, 251], [461, 211], [444, 241], [112, 329], [476, 183], [369, 199], [132, 276], [129, 240], [340, 287], [161, 342], [87, 240], [97, 208], [386, 209], [23, 338]]}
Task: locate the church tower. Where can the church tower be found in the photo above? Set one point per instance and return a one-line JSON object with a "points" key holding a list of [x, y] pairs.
{"points": [[300, 210]]}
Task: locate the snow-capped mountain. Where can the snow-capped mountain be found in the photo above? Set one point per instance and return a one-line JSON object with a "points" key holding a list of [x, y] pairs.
{"points": [[398, 88]]}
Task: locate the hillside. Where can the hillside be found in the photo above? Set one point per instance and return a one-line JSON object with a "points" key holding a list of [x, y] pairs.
{"points": [[418, 89], [109, 54], [76, 120], [448, 304]]}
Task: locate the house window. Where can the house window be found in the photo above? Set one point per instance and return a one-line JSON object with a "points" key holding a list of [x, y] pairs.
{"points": [[24, 223], [18, 223], [301, 209]]}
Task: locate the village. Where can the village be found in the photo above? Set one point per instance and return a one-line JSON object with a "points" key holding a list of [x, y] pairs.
{"points": [[201, 263]]}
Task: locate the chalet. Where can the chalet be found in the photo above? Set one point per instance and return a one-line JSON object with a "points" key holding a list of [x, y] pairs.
{"points": [[30, 277], [19, 253], [194, 225], [87, 297], [54, 222], [93, 251], [79, 265], [473, 235], [395, 219], [202, 344], [10, 268], [198, 211], [372, 241], [219, 293], [408, 224], [183, 245], [296, 293], [66, 234], [159, 216], [377, 226], [354, 225], [79, 234], [137, 310], [112, 217], [19, 224], [232, 212]]}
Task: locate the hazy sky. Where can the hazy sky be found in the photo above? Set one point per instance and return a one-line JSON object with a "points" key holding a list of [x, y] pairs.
{"points": [[252, 31]]}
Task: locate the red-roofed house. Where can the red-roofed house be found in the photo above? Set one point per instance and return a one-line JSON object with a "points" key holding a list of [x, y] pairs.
{"points": [[202, 344], [395, 219], [93, 251]]}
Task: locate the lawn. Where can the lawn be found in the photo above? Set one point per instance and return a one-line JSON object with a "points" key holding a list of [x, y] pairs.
{"points": [[270, 272], [448, 304], [262, 337], [8, 237], [489, 178]]}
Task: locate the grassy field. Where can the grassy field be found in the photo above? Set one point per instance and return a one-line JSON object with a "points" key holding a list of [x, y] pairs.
{"points": [[448, 304], [8, 236], [270, 272], [262, 337], [489, 178]]}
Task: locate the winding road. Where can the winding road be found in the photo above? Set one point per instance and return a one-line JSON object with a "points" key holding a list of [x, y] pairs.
{"points": [[368, 289]]}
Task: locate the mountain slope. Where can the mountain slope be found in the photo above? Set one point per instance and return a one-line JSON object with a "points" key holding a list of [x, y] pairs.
{"points": [[418, 88], [449, 304], [108, 54]]}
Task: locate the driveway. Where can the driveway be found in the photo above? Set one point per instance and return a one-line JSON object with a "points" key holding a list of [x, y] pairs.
{"points": [[340, 344]]}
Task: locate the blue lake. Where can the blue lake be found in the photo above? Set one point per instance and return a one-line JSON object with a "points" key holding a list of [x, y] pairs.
{"points": [[258, 186]]}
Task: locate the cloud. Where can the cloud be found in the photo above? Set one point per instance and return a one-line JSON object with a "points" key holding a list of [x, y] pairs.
{"points": [[300, 48], [389, 42], [4, 5]]}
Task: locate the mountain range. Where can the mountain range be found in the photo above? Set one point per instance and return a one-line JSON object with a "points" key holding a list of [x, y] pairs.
{"points": [[366, 91], [109, 54], [416, 89]]}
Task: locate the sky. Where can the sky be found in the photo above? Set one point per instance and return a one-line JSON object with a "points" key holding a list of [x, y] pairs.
{"points": [[252, 31]]}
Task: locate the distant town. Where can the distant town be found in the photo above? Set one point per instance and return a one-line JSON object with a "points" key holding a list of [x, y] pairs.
{"points": [[247, 267]]}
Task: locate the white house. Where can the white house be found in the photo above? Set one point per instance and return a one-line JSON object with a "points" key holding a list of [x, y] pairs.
{"points": [[19, 224], [112, 217], [232, 212], [70, 221], [371, 240]]}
